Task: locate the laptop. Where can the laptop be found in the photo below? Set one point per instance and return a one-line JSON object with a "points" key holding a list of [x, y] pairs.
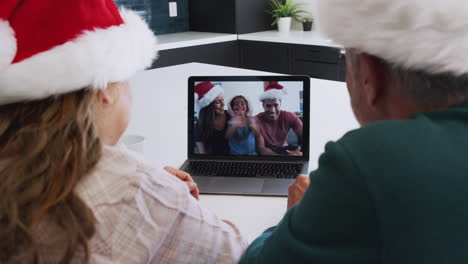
{"points": [[238, 144]]}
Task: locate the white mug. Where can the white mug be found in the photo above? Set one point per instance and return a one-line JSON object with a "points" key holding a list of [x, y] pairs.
{"points": [[134, 142]]}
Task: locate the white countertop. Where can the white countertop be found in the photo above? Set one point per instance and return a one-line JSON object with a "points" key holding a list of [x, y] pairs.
{"points": [[292, 37], [192, 38]]}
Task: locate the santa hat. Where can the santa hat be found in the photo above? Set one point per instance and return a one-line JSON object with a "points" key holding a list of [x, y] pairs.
{"points": [[272, 90], [427, 35], [51, 47], [205, 93]]}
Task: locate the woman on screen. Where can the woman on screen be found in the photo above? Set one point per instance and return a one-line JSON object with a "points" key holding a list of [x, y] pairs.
{"points": [[210, 130], [241, 131]]}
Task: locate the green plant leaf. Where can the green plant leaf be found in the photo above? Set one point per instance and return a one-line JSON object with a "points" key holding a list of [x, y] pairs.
{"points": [[286, 9]]}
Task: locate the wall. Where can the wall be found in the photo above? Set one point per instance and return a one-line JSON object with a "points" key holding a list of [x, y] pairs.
{"points": [[213, 16], [310, 6], [251, 90], [252, 16], [156, 13]]}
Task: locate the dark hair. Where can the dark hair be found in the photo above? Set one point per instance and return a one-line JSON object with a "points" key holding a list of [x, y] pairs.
{"points": [[206, 120], [245, 99]]}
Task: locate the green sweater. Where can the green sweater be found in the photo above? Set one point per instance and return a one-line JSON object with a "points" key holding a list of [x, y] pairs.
{"points": [[389, 192]]}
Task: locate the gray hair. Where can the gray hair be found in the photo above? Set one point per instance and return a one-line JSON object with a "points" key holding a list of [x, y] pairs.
{"points": [[426, 89], [423, 88]]}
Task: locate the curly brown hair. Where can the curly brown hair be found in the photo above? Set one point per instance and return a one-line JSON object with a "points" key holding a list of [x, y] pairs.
{"points": [[46, 147]]}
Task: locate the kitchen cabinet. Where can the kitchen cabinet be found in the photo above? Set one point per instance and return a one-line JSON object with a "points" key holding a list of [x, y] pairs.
{"points": [[222, 53], [265, 56], [229, 16], [316, 61]]}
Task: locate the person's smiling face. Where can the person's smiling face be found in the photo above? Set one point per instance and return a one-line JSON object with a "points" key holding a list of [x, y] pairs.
{"points": [[218, 105], [272, 109], [239, 106]]}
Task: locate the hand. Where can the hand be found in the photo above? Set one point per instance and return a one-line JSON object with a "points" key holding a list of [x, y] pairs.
{"points": [[297, 190], [236, 121], [184, 176], [253, 124], [296, 152]]}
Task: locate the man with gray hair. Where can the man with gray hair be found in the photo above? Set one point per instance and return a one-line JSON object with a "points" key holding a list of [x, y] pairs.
{"points": [[396, 189]]}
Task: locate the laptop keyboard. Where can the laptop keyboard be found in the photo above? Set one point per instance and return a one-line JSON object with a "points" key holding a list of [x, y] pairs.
{"points": [[244, 169]]}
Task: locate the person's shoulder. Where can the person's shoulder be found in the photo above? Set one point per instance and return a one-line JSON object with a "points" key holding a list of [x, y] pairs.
{"points": [[288, 115], [385, 143], [260, 117], [385, 131], [121, 174]]}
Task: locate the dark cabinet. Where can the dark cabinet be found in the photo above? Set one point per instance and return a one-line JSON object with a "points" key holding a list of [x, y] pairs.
{"points": [[213, 16], [252, 16], [229, 16], [264, 56], [316, 61], [223, 53]]}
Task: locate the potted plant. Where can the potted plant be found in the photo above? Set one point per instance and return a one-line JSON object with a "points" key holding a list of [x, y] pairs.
{"points": [[307, 23], [283, 12]]}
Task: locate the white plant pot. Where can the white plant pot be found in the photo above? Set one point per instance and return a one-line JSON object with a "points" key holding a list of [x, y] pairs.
{"points": [[284, 24]]}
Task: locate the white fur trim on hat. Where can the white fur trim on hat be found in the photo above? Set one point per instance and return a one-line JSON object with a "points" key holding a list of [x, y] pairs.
{"points": [[210, 96], [428, 35], [271, 94], [8, 44], [93, 60]]}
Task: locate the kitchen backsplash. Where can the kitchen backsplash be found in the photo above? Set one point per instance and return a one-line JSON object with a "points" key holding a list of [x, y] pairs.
{"points": [[156, 13]]}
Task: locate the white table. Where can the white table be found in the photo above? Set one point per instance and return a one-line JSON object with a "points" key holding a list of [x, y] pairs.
{"points": [[160, 115]]}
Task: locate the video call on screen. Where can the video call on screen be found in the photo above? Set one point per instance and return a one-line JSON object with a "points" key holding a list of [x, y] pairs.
{"points": [[247, 118]]}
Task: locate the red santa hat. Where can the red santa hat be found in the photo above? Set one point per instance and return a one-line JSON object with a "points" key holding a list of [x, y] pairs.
{"points": [[272, 90], [51, 47], [205, 93], [427, 35]]}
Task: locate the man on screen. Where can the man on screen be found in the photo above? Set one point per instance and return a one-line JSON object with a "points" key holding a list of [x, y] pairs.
{"points": [[274, 124]]}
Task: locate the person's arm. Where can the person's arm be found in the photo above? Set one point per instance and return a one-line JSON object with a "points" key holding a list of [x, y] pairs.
{"points": [[184, 231], [233, 124], [199, 139], [230, 131], [253, 126], [335, 222], [201, 147], [298, 131], [297, 126], [261, 148]]}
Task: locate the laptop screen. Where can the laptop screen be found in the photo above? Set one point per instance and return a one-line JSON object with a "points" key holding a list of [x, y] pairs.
{"points": [[249, 116]]}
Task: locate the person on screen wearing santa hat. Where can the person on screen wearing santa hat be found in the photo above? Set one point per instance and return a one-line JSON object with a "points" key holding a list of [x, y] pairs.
{"points": [[69, 192], [210, 129], [274, 123], [394, 190], [241, 131]]}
